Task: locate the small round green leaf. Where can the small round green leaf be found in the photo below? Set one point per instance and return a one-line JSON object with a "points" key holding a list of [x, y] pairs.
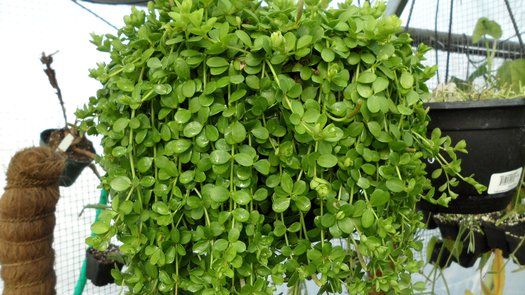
{"points": [[177, 146], [303, 203], [182, 116], [328, 54], [235, 133], [280, 204], [406, 80], [120, 183], [346, 225], [327, 160], [144, 164], [219, 157], [260, 133], [161, 208], [219, 194], [192, 129], [188, 88], [244, 159], [366, 77], [395, 185], [263, 166], [217, 62], [241, 197], [367, 219], [99, 228]]}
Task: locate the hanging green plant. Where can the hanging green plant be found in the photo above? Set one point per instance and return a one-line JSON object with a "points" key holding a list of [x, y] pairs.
{"points": [[241, 139]]}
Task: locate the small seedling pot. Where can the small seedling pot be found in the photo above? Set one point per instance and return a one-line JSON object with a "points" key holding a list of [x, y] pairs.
{"points": [[480, 243], [98, 269], [514, 241], [428, 219], [516, 227], [495, 134], [496, 237], [467, 259], [442, 260], [73, 167], [449, 229], [449, 226]]}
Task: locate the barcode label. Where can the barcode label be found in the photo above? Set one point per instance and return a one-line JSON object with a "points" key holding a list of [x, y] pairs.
{"points": [[504, 182]]}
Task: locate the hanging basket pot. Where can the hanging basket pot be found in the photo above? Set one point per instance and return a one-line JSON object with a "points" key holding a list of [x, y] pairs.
{"points": [[75, 162], [99, 265], [495, 134]]}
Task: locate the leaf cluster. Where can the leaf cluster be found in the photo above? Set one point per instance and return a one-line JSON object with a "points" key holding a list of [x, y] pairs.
{"points": [[248, 145]]}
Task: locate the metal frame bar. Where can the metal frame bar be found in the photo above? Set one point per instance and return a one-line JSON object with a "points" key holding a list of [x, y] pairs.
{"points": [[462, 43]]}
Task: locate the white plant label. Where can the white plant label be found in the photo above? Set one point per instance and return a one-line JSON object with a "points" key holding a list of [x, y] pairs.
{"points": [[504, 182], [66, 142]]}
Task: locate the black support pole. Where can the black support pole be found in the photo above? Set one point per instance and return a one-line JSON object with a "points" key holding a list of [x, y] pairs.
{"points": [[449, 37], [513, 20]]}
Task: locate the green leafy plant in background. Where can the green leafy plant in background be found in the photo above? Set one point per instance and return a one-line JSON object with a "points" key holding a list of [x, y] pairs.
{"points": [[248, 143], [508, 81]]}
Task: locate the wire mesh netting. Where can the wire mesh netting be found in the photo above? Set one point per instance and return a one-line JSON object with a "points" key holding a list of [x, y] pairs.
{"points": [[430, 22]]}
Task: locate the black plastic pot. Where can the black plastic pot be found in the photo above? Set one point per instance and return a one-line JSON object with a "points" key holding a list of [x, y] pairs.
{"points": [[72, 169], [449, 229], [467, 258], [99, 272], [496, 237], [495, 134], [428, 219], [517, 229], [514, 242]]}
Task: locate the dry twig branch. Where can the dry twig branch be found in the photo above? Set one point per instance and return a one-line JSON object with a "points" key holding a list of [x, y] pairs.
{"points": [[47, 60]]}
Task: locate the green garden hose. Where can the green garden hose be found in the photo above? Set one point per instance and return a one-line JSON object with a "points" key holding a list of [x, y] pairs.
{"points": [[81, 282]]}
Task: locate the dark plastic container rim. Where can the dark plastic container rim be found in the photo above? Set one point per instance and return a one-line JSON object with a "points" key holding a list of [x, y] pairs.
{"points": [[475, 104]]}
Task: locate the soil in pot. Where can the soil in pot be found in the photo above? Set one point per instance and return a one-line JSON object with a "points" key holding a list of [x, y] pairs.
{"points": [[99, 265], [495, 134], [515, 247], [78, 156]]}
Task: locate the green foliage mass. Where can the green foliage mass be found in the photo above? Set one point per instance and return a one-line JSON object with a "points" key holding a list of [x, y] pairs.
{"points": [[248, 145]]}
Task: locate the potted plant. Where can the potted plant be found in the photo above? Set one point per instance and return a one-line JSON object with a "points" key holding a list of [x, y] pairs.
{"points": [[76, 148], [79, 154], [491, 119], [99, 265], [240, 139]]}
